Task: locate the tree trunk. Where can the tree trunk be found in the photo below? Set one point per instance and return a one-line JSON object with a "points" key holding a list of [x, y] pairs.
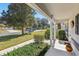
{"points": [[23, 30]]}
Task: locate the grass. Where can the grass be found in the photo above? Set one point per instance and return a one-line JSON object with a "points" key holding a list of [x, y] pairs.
{"points": [[32, 49], [12, 40], [40, 32]]}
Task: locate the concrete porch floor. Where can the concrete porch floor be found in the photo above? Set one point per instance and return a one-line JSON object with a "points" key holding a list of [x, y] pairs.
{"points": [[58, 50], [55, 52]]}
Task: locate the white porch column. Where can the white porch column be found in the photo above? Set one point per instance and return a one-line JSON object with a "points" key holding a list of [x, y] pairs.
{"points": [[52, 31], [55, 31]]}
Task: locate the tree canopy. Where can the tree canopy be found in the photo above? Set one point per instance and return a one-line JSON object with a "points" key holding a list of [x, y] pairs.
{"points": [[19, 15]]}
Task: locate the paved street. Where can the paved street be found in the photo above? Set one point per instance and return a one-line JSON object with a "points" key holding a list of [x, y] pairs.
{"points": [[10, 32], [5, 34]]}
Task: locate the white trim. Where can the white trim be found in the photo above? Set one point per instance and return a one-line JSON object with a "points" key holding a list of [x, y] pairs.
{"points": [[35, 7], [54, 30], [51, 34], [7, 50]]}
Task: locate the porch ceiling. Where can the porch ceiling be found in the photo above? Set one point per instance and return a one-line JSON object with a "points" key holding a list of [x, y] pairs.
{"points": [[61, 11]]}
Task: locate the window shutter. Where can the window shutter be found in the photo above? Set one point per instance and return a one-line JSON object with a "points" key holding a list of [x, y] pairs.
{"points": [[77, 24]]}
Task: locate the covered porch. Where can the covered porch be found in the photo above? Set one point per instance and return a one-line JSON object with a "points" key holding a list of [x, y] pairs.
{"points": [[63, 14]]}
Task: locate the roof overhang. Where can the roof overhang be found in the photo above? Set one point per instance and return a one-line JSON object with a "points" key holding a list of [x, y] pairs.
{"points": [[61, 11], [38, 9]]}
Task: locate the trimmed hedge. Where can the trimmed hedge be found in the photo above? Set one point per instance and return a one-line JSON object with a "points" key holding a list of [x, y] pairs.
{"points": [[62, 35], [38, 38], [47, 34], [32, 49]]}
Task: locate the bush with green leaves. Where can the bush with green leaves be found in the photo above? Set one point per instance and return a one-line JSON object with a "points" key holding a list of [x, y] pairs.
{"points": [[62, 35], [38, 38], [47, 34], [32, 49]]}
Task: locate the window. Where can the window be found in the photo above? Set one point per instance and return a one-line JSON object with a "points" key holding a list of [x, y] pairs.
{"points": [[77, 24], [59, 26], [72, 23]]}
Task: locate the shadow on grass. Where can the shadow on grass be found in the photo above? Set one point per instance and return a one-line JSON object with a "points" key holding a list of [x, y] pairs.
{"points": [[9, 37]]}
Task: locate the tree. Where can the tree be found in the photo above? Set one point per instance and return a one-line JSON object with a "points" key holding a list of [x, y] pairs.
{"points": [[19, 15], [42, 23]]}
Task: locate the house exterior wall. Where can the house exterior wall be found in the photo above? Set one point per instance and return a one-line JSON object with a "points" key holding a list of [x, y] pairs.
{"points": [[73, 36], [72, 30]]}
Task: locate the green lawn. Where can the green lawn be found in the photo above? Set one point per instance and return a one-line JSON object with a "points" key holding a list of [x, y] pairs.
{"points": [[32, 49], [40, 32], [12, 40]]}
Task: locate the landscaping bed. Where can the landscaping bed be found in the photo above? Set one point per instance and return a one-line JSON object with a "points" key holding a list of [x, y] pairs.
{"points": [[32, 49]]}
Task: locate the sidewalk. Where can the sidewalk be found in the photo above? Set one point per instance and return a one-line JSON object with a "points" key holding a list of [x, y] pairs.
{"points": [[5, 51]]}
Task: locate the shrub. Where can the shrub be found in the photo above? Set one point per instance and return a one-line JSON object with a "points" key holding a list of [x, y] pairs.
{"points": [[62, 35], [42, 53], [47, 34], [32, 49], [38, 38]]}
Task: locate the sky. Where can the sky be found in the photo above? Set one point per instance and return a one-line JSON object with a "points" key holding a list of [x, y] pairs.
{"points": [[4, 6]]}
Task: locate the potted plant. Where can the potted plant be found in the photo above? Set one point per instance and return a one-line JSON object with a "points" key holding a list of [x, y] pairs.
{"points": [[68, 48]]}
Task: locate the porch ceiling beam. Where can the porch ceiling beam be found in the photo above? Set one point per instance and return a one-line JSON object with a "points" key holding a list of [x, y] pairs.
{"points": [[38, 9]]}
